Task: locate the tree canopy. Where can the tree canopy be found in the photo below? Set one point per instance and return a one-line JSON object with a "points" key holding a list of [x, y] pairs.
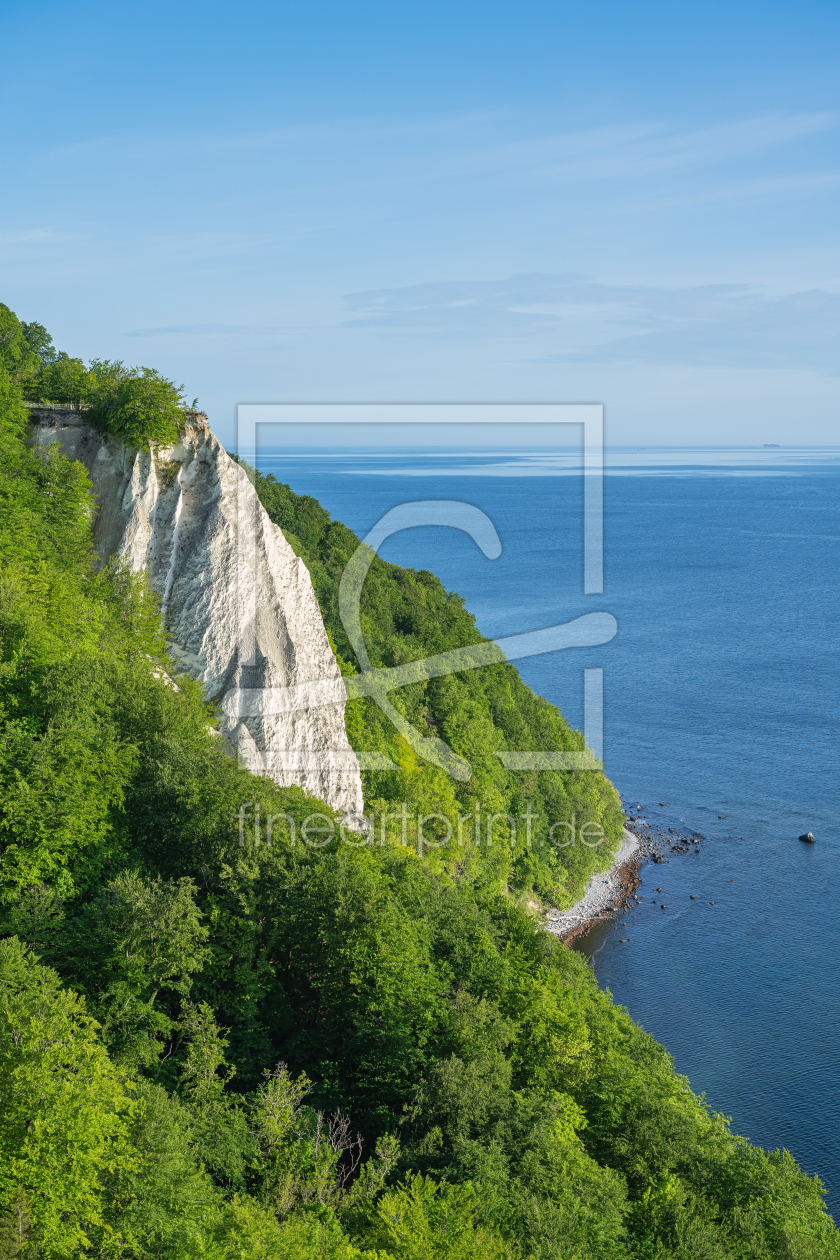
{"points": [[215, 1047], [136, 404], [407, 615]]}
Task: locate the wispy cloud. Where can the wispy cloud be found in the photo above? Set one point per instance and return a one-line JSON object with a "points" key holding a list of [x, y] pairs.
{"points": [[35, 240], [512, 142], [29, 236], [747, 329], [192, 330], [642, 149], [213, 330], [348, 134], [721, 325]]}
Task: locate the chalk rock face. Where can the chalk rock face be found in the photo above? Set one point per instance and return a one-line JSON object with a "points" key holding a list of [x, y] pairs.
{"points": [[239, 608]]}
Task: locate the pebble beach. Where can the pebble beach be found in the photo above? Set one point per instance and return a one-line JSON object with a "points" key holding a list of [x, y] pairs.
{"points": [[608, 893]]}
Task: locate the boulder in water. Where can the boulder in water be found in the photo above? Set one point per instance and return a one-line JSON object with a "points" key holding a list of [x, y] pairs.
{"points": [[808, 837]]}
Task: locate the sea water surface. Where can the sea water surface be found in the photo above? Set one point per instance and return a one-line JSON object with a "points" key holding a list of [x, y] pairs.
{"points": [[720, 715]]}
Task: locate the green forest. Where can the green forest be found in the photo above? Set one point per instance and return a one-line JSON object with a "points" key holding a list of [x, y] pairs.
{"points": [[406, 616], [254, 1052]]}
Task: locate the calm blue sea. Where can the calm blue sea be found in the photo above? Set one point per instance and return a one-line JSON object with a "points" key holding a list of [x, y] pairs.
{"points": [[721, 715]]}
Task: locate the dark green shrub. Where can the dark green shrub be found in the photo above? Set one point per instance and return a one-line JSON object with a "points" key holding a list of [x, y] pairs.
{"points": [[135, 404]]}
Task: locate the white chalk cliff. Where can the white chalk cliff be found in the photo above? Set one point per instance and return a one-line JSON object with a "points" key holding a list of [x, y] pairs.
{"points": [[239, 608]]}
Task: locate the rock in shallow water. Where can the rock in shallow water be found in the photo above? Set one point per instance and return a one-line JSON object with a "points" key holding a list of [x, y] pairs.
{"points": [[808, 837]]}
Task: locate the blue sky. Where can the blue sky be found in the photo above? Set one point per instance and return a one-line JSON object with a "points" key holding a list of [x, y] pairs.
{"points": [[627, 203]]}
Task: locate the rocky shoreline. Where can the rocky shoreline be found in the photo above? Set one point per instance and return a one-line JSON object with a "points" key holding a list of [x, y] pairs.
{"points": [[609, 893]]}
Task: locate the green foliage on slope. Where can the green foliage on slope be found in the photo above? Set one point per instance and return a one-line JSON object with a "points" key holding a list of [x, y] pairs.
{"points": [[240, 1050], [407, 615], [137, 404], [65, 1111]]}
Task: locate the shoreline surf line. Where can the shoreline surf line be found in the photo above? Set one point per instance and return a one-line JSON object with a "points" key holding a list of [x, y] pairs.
{"points": [[605, 894]]}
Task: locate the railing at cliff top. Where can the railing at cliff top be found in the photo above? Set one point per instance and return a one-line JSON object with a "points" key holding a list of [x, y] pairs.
{"points": [[64, 406], [195, 416]]}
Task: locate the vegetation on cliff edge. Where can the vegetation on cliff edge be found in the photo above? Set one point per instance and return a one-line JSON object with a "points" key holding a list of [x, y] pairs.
{"points": [[215, 1049]]}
